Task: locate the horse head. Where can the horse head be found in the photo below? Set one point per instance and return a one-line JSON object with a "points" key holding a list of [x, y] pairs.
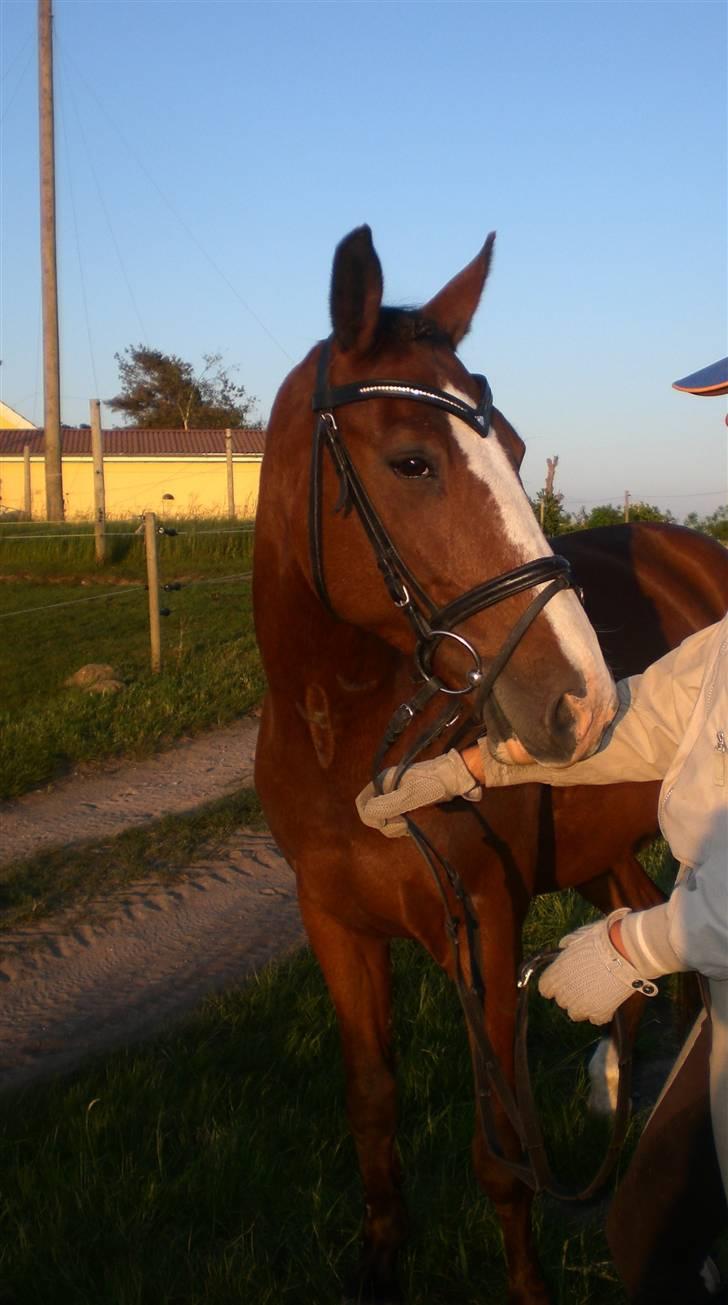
{"points": [[442, 532]]}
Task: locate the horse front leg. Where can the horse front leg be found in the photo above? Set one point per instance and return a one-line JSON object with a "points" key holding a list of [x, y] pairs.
{"points": [[512, 1199], [358, 975]]}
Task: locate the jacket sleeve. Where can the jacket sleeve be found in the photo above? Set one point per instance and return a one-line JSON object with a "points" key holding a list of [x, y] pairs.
{"points": [[641, 741], [690, 931]]}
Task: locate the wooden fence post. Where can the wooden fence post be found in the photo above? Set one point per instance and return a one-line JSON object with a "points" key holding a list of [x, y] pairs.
{"points": [[230, 477], [155, 636], [99, 487], [27, 487]]}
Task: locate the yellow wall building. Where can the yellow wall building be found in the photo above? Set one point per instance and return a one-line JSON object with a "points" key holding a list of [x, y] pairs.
{"points": [[171, 472], [12, 420]]}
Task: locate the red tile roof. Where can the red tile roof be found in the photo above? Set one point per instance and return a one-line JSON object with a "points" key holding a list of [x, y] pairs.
{"points": [[133, 442]]}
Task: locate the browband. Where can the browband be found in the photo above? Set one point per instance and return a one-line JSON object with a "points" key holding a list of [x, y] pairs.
{"points": [[326, 398]]}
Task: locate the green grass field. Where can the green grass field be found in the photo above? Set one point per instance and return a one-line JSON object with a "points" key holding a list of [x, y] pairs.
{"points": [[214, 1165], [57, 613]]}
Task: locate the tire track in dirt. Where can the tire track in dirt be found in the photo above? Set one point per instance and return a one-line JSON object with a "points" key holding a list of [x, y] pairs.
{"points": [[139, 957], [98, 802]]}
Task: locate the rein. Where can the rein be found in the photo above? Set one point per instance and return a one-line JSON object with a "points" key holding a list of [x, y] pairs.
{"points": [[430, 625]]}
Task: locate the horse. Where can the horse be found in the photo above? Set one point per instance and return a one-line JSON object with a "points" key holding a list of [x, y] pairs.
{"points": [[366, 538]]}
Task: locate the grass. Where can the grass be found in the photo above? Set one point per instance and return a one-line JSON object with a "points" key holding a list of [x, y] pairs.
{"points": [[214, 1166], [206, 545], [210, 675]]}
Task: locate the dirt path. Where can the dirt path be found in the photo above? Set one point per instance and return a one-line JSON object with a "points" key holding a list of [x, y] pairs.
{"points": [[97, 802], [145, 956]]}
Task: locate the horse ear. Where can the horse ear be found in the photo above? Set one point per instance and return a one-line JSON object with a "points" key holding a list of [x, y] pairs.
{"points": [[454, 307], [356, 291]]}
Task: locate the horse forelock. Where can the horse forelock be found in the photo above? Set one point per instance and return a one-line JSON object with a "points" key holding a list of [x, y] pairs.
{"points": [[398, 326]]}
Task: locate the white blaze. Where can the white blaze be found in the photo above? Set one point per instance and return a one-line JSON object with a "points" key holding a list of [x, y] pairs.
{"points": [[487, 459]]}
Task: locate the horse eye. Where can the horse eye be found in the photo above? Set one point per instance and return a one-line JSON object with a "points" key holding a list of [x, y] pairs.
{"points": [[412, 468]]}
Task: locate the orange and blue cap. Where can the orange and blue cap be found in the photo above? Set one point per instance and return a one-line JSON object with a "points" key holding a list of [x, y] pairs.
{"points": [[711, 380]]}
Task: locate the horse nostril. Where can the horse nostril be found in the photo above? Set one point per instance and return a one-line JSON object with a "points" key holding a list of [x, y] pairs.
{"points": [[564, 718]]}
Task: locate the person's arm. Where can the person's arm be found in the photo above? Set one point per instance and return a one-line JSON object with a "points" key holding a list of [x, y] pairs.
{"points": [[640, 742], [638, 745]]}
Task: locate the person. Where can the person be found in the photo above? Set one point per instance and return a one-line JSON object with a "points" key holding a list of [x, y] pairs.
{"points": [[671, 724]]}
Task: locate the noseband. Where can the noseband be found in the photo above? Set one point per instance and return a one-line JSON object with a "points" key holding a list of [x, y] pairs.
{"points": [[429, 623]]}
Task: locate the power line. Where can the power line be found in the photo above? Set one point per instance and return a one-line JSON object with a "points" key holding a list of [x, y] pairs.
{"points": [[12, 97], [81, 275], [190, 234], [105, 211]]}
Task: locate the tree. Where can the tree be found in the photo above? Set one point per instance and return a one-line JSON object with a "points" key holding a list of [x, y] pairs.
{"points": [[556, 521], [648, 512], [161, 390], [603, 515], [716, 524]]}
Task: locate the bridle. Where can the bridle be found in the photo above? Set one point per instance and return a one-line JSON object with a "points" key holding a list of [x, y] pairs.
{"points": [[430, 625]]}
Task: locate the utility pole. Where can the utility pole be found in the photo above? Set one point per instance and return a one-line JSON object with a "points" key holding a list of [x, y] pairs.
{"points": [[51, 352], [626, 504], [551, 465], [230, 474], [155, 632], [97, 453]]}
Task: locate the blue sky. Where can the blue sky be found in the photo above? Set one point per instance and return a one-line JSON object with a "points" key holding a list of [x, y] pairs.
{"points": [[210, 156]]}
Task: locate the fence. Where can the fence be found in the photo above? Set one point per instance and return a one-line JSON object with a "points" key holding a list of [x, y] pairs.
{"points": [[55, 547]]}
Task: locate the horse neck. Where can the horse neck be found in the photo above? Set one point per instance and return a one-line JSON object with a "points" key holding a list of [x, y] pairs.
{"points": [[315, 646]]}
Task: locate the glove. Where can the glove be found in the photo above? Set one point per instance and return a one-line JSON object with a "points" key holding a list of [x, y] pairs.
{"points": [[590, 979], [438, 780]]}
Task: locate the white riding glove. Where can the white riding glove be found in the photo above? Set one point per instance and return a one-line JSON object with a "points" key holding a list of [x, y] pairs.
{"points": [[590, 979], [438, 780]]}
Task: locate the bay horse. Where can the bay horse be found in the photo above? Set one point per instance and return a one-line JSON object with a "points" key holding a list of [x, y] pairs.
{"points": [[441, 519]]}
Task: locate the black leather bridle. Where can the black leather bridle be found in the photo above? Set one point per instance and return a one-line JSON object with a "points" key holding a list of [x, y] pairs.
{"points": [[430, 625]]}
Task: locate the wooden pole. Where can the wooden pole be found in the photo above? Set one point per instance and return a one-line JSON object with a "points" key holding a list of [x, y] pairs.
{"points": [[626, 504], [27, 485], [51, 351], [155, 634], [548, 489], [97, 451], [230, 478]]}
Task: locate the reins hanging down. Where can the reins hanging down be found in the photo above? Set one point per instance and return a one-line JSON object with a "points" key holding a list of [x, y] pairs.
{"points": [[430, 625]]}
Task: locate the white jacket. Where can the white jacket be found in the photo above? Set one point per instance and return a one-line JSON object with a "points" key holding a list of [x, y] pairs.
{"points": [[672, 724]]}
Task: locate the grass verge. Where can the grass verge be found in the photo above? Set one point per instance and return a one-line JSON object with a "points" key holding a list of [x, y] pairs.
{"points": [[211, 673], [55, 881]]}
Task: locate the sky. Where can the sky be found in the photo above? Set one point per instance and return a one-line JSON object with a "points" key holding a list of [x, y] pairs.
{"points": [[211, 155]]}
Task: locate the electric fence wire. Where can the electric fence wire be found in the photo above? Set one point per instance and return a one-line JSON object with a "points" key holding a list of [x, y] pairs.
{"points": [[232, 530], [72, 602], [216, 580], [117, 534]]}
